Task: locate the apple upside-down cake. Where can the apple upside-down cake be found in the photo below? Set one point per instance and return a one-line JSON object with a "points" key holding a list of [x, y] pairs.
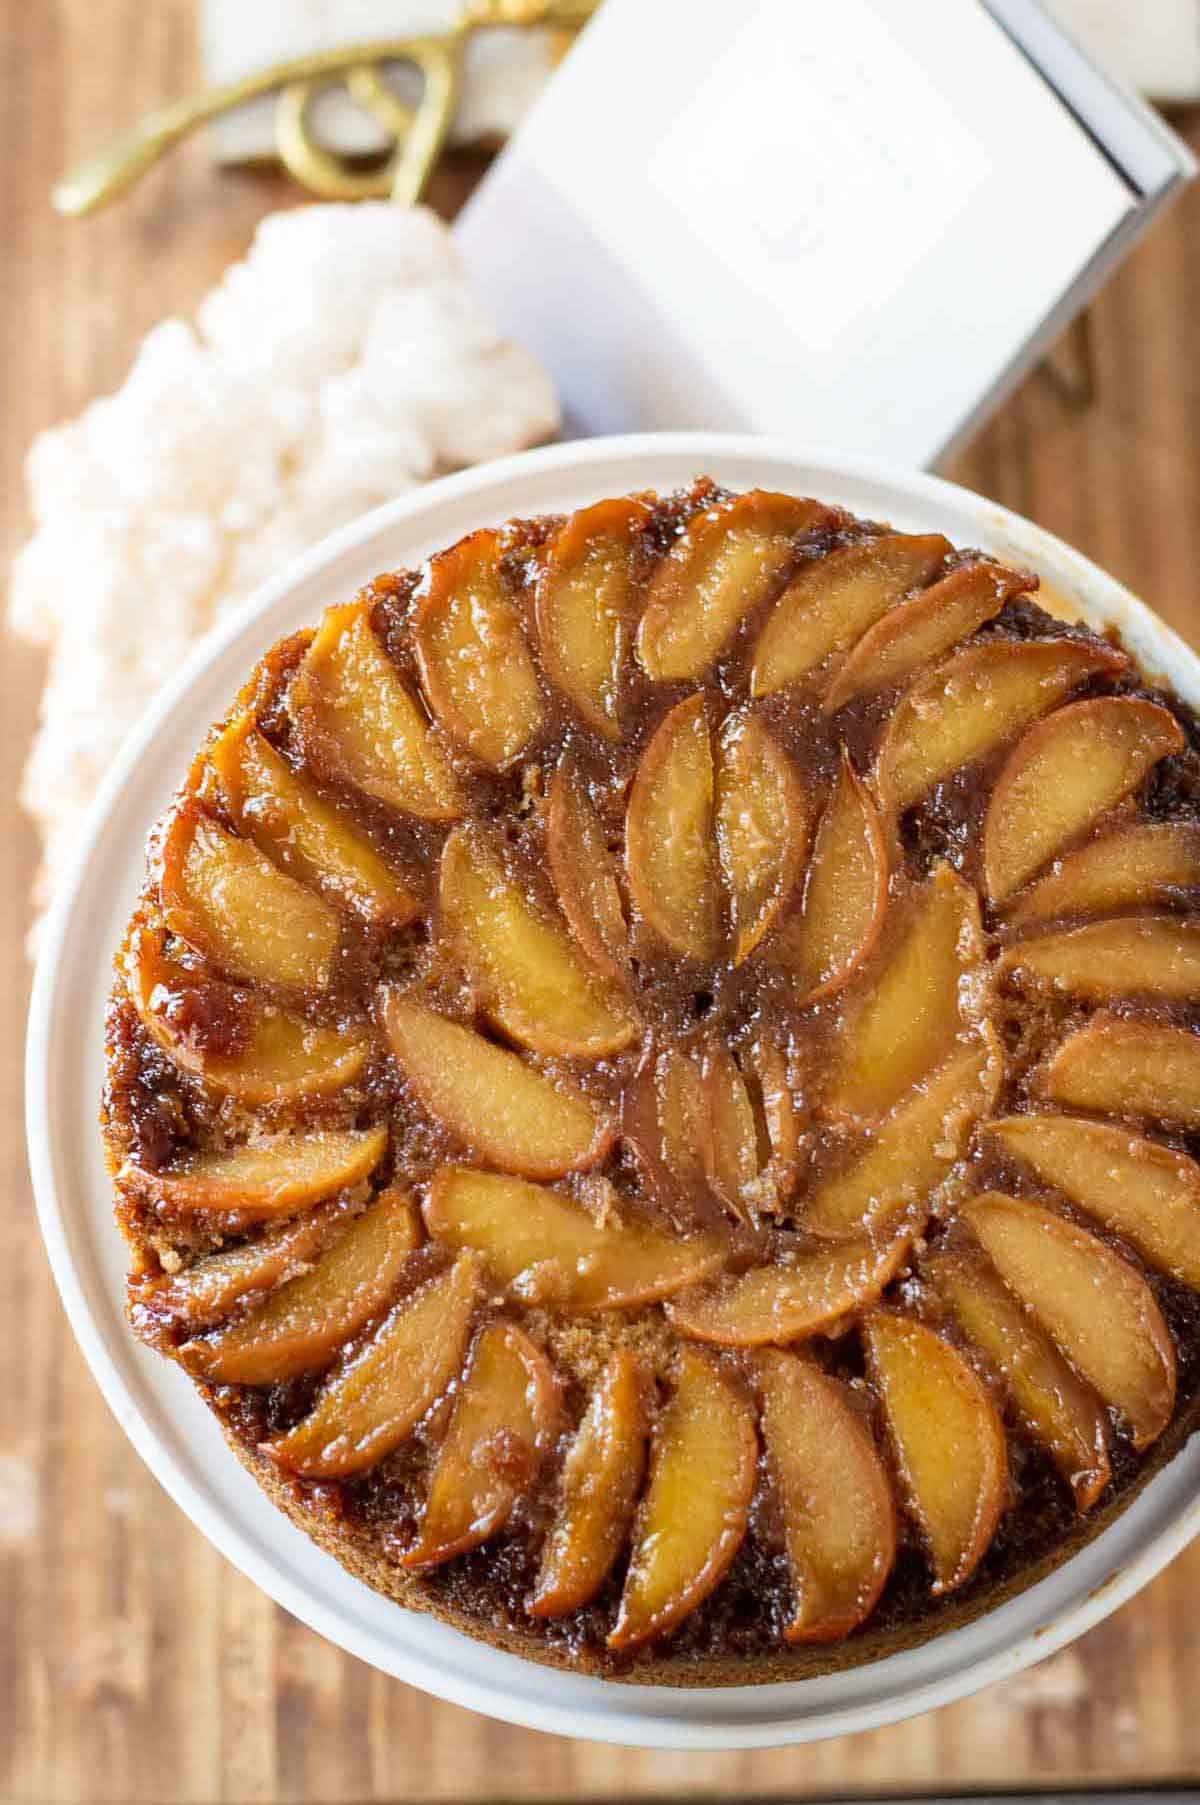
{"points": [[653, 1084]]}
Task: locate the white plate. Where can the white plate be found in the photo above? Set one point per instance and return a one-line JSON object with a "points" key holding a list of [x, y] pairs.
{"points": [[155, 1403]]}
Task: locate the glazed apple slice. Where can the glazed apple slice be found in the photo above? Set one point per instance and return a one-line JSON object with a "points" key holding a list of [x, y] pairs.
{"points": [[211, 1287], [301, 1326], [914, 634], [763, 827], [948, 1442], [476, 670], [1055, 1407], [1065, 773], [584, 872], [533, 1238], [825, 941], [1139, 864], [505, 1111], [972, 703], [662, 1120], [839, 1517], [1098, 1307], [276, 1056], [832, 601], [669, 834], [361, 724], [505, 1416], [729, 1133], [376, 1398], [1138, 955], [1128, 1068], [697, 1506], [283, 1059], [774, 1086], [723, 566], [226, 899], [912, 1150], [907, 1013], [679, 1090], [586, 605], [271, 1177], [779, 1303], [532, 980], [286, 818], [1146, 1193], [602, 1476]]}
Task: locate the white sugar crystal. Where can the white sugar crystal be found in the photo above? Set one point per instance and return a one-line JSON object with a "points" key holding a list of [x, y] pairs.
{"points": [[341, 363]]}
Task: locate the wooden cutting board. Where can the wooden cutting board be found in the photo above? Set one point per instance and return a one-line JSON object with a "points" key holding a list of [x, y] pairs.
{"points": [[135, 1664]]}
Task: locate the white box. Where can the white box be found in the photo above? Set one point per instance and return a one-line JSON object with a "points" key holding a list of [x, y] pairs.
{"points": [[855, 225]]}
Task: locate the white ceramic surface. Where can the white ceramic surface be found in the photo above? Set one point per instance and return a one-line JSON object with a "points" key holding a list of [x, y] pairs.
{"points": [[155, 1403]]}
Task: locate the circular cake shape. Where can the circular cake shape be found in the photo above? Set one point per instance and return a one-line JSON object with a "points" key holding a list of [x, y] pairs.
{"points": [[655, 863], [999, 1642]]}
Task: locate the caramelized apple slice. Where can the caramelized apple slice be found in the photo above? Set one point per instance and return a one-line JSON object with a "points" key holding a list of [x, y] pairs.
{"points": [[839, 922], [973, 702], [1144, 1192], [697, 1506], [224, 898], [286, 818], [788, 1303], [948, 1441], [505, 1111], [584, 873], [301, 1326], [360, 723], [679, 1089], [476, 669], [505, 1416], [662, 1119], [839, 1519], [277, 1056], [913, 634], [586, 603], [1128, 1068], [533, 982], [1139, 864], [669, 834], [211, 1287], [1062, 776], [913, 1149], [1097, 1306], [376, 1398], [769, 1067], [729, 1133], [763, 827], [1139, 955], [905, 1019], [602, 1476], [724, 564], [275, 1176], [284, 1058], [532, 1237], [831, 601], [1055, 1407]]}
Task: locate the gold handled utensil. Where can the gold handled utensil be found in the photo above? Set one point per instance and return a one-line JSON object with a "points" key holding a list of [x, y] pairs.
{"points": [[417, 132]]}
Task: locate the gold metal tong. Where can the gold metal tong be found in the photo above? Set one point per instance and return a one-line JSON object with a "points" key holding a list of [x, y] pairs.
{"points": [[417, 133]]}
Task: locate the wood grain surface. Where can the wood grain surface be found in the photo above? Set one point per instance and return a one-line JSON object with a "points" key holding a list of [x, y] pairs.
{"points": [[135, 1664]]}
